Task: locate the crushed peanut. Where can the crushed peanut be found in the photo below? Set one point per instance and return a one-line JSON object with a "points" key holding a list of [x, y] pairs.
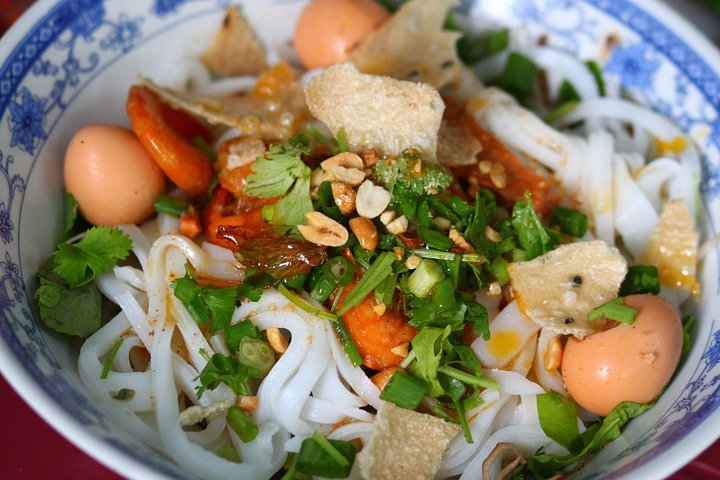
{"points": [[277, 340]]}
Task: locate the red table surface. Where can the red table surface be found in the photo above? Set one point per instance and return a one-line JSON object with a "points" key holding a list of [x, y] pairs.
{"points": [[31, 449]]}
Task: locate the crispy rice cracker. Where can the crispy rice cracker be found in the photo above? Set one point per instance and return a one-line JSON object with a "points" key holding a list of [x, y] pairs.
{"points": [[405, 445], [673, 248], [235, 49], [559, 289], [412, 45], [377, 112]]}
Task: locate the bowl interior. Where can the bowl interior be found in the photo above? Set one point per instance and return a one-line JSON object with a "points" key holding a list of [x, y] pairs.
{"points": [[69, 63]]}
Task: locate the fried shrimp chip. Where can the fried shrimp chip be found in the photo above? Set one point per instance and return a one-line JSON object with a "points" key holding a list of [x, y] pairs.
{"points": [[457, 145], [673, 248], [377, 112], [253, 115], [235, 49], [412, 45], [405, 445], [559, 289]]}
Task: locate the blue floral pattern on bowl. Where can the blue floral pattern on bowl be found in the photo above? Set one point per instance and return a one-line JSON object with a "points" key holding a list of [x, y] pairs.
{"points": [[69, 46]]}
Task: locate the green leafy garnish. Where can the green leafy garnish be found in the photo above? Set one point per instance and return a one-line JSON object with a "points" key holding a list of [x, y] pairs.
{"points": [[321, 457], [688, 323], [71, 212], [408, 176], [532, 236], [282, 173], [242, 424], [214, 304], [96, 253], [558, 418], [614, 310], [640, 279], [427, 346], [227, 370], [472, 49], [518, 78]]}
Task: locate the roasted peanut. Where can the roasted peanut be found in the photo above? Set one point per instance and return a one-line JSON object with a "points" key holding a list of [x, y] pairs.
{"points": [[365, 231], [248, 403], [344, 159], [277, 340], [351, 176], [387, 217], [401, 350], [399, 225], [460, 241], [492, 234], [344, 197], [412, 262], [323, 230], [553, 354], [381, 379], [372, 199]]}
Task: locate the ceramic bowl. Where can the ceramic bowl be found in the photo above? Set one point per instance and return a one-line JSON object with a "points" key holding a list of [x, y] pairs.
{"points": [[68, 63]]}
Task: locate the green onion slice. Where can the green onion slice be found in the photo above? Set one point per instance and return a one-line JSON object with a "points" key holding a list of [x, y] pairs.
{"points": [[614, 310], [110, 358]]}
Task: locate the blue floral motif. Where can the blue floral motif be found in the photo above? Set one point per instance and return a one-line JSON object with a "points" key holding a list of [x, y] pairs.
{"points": [[125, 32], [45, 67], [6, 224], [710, 181], [166, 7], [27, 118], [72, 71], [634, 65], [11, 275]]}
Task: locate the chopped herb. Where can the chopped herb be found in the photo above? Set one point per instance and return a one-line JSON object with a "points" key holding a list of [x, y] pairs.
{"points": [[472, 49], [567, 93], [640, 279], [377, 273], [214, 304], [559, 112], [427, 346], [71, 212], [424, 278], [325, 458], [404, 390], [596, 70], [242, 424], [303, 305], [257, 354], [518, 78], [467, 378], [532, 236], [235, 333], [110, 358], [96, 253], [342, 144], [172, 206], [282, 173], [558, 418], [123, 395], [434, 239], [408, 176], [227, 370], [571, 222], [228, 452], [614, 310]]}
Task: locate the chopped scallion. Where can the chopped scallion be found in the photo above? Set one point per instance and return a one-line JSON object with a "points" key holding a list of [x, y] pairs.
{"points": [[340, 269], [518, 78], [242, 424], [560, 111], [110, 358], [172, 206], [614, 310], [440, 255], [347, 342], [378, 272], [571, 222], [325, 458], [257, 354], [302, 305], [424, 278], [434, 239], [640, 279], [404, 390], [596, 70], [123, 395], [467, 378]]}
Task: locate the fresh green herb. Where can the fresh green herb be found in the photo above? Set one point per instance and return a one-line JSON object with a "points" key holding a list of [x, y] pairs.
{"points": [[282, 173], [614, 310], [227, 370], [424, 278], [342, 143], [408, 176], [228, 452], [472, 49], [567, 93], [427, 346], [404, 391], [172, 206], [72, 311], [456, 390], [377, 273], [347, 342], [110, 358], [325, 458], [326, 202], [214, 304], [688, 323], [558, 418], [434, 239], [440, 255], [96, 253], [242, 424], [303, 305], [256, 354], [518, 78], [532, 236], [571, 222], [596, 71], [235, 333], [290, 467], [71, 212], [340, 269], [559, 112], [640, 279], [467, 378], [123, 395]]}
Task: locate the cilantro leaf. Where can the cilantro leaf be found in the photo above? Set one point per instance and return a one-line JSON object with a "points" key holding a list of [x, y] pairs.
{"points": [[227, 370], [66, 310], [282, 173], [71, 211], [532, 236], [427, 346], [214, 304], [95, 254]]}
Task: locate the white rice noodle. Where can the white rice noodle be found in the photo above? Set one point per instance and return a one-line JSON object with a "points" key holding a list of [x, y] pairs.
{"points": [[509, 333], [519, 128], [512, 383], [130, 275], [635, 217], [167, 225], [561, 66], [121, 362], [522, 362], [140, 243], [549, 380], [597, 191], [655, 178]]}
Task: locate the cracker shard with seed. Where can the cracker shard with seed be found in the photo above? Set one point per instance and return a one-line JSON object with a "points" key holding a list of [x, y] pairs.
{"points": [[673, 248], [250, 114], [413, 45], [235, 49], [377, 112], [405, 445], [559, 289]]}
